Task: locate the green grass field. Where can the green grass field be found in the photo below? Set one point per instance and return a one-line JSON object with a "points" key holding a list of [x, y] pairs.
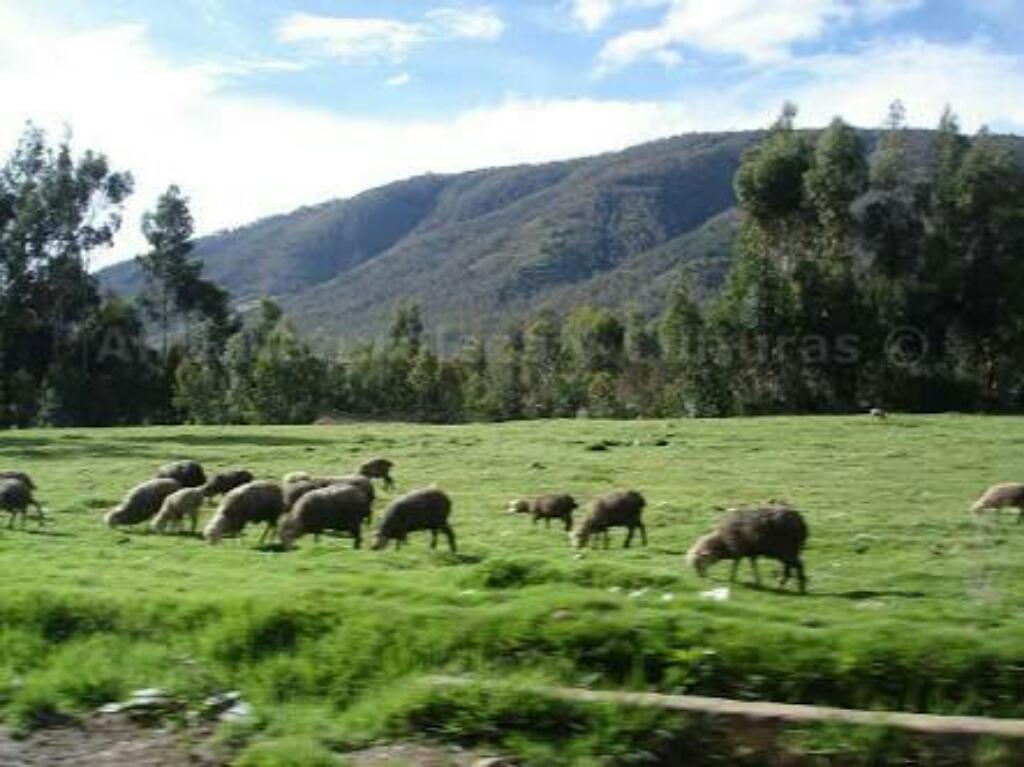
{"points": [[912, 603]]}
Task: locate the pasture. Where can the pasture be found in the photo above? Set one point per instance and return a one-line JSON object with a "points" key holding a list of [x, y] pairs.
{"points": [[912, 604]]}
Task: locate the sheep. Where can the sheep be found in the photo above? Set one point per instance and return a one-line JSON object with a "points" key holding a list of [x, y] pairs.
{"points": [[426, 509], [878, 414], [622, 508], [1005, 494], [259, 501], [378, 468], [21, 476], [357, 480], [178, 505], [547, 507], [226, 481], [16, 497], [778, 532], [188, 473], [293, 491], [142, 502], [336, 507]]}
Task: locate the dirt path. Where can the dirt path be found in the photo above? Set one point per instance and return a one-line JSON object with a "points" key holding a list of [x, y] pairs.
{"points": [[106, 742]]}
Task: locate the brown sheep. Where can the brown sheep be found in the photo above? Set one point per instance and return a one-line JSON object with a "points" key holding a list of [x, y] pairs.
{"points": [[622, 508], [226, 481], [548, 507], [337, 507], [378, 468], [1003, 495], [187, 473], [16, 497], [426, 509], [142, 502], [774, 531], [259, 501]]}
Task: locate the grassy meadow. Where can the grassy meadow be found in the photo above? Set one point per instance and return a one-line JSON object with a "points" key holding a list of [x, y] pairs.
{"points": [[912, 603]]}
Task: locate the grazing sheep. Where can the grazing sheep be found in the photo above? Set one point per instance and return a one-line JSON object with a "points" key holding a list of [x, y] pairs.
{"points": [[259, 501], [357, 480], [188, 473], [295, 476], [378, 468], [142, 502], [226, 481], [1003, 495], [21, 476], [337, 507], [547, 507], [293, 491], [778, 532], [180, 504], [622, 508], [16, 497], [878, 414], [426, 509]]}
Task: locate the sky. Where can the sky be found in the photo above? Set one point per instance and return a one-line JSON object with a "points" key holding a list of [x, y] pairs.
{"points": [[256, 107]]}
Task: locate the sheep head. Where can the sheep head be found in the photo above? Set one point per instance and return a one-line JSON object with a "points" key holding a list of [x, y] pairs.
{"points": [[705, 552]]}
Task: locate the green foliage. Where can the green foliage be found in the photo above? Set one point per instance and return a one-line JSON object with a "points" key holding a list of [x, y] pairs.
{"points": [[55, 209]]}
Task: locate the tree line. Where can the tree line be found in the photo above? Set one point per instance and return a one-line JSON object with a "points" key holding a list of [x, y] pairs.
{"points": [[861, 276]]}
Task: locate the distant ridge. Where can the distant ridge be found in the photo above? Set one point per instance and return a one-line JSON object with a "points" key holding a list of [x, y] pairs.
{"points": [[480, 249]]}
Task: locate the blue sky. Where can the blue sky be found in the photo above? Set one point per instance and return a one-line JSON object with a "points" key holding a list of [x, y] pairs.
{"points": [[257, 107]]}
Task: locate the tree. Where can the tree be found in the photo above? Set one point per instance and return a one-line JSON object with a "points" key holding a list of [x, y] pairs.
{"points": [[170, 273], [55, 210]]}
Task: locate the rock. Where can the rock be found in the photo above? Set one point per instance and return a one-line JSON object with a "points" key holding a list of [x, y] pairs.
{"points": [[240, 712], [716, 595], [148, 704], [216, 705]]}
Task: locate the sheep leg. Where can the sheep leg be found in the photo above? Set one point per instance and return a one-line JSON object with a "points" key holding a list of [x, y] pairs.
{"points": [[568, 522], [357, 535], [629, 538], [643, 533], [450, 534], [757, 574], [735, 570], [786, 570], [40, 516], [801, 579], [433, 538]]}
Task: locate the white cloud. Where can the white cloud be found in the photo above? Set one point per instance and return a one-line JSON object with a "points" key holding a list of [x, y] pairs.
{"points": [[752, 29], [758, 31], [594, 14], [873, 11], [354, 39], [467, 23], [397, 81], [924, 76]]}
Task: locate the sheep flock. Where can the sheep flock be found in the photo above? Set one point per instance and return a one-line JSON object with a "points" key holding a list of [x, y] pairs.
{"points": [[300, 504]]}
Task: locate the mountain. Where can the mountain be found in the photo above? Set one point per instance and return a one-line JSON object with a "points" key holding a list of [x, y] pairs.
{"points": [[480, 249]]}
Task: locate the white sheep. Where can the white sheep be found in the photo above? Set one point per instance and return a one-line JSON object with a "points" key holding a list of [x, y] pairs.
{"points": [[176, 507]]}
